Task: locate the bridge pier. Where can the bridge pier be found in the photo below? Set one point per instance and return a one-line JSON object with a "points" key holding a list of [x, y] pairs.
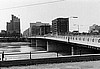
{"points": [[33, 42], [61, 47], [39, 43]]}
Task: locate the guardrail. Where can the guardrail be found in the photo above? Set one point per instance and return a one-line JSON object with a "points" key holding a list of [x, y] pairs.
{"points": [[57, 59], [28, 55]]}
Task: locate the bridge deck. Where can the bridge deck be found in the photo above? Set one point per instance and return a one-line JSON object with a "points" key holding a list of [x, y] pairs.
{"points": [[85, 40]]}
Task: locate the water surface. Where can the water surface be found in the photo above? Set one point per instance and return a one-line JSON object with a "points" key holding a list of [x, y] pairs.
{"points": [[20, 47]]}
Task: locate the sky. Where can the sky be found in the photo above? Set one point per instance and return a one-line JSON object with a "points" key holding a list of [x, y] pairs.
{"points": [[31, 11]]}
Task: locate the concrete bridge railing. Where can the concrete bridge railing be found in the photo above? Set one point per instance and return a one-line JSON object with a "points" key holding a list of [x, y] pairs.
{"points": [[86, 40]]}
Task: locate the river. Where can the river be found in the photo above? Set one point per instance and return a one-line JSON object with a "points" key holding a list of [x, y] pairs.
{"points": [[21, 50], [20, 47]]}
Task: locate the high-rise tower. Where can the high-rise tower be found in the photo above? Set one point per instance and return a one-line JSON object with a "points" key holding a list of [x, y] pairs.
{"points": [[13, 27]]}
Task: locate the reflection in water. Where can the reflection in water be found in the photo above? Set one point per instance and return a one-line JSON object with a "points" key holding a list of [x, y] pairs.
{"points": [[18, 47], [26, 49]]}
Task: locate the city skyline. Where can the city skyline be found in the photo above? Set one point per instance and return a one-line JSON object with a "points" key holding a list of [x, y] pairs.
{"points": [[86, 11]]}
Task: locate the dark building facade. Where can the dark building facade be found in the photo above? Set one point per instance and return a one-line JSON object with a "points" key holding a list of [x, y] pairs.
{"points": [[94, 29], [44, 29], [35, 28], [13, 27], [60, 26]]}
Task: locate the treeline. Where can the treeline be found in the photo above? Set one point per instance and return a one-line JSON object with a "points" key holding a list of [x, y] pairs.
{"points": [[10, 35]]}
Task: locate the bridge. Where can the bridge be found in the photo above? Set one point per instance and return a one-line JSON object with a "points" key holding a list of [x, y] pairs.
{"points": [[70, 44], [85, 40]]}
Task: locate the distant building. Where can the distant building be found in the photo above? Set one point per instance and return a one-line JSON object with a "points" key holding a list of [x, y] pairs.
{"points": [[95, 29], [35, 28], [60, 26], [26, 33], [3, 31], [13, 27], [44, 29]]}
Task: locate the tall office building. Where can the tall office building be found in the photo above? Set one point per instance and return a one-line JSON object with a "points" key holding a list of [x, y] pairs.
{"points": [[60, 26], [13, 27]]}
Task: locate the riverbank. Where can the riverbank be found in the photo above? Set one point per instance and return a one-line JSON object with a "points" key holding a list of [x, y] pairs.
{"points": [[65, 59]]}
